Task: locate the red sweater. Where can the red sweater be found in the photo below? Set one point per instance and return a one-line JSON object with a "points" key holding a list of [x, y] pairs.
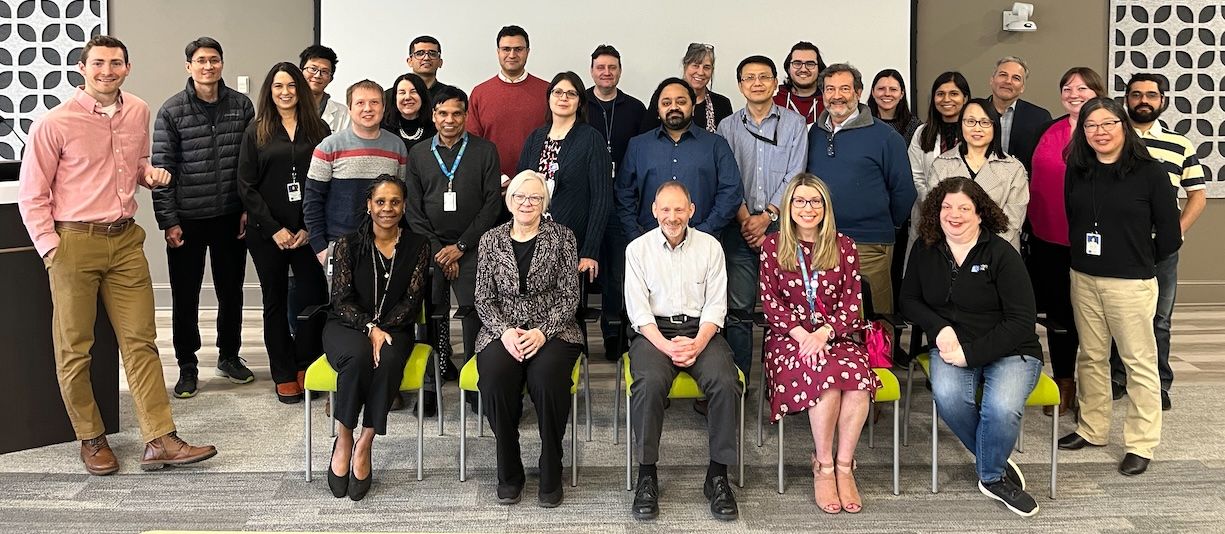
{"points": [[506, 113], [804, 105]]}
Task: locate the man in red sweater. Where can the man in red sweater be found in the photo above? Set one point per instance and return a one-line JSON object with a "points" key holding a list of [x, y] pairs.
{"points": [[507, 107]]}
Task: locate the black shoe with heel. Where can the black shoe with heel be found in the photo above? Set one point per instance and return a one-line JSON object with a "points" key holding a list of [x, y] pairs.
{"points": [[339, 484], [358, 487]]}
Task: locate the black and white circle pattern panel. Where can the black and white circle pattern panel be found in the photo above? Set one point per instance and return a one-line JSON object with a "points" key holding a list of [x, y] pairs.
{"points": [[1185, 41], [41, 44]]}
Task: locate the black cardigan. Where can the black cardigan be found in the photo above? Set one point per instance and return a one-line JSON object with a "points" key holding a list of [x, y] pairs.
{"points": [[353, 285], [988, 300], [264, 173], [582, 196]]}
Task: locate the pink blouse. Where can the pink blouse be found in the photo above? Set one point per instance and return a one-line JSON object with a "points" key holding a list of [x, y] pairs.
{"points": [[1046, 206]]}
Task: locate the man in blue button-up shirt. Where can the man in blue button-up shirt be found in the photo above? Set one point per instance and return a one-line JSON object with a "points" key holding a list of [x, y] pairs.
{"points": [[699, 159]]}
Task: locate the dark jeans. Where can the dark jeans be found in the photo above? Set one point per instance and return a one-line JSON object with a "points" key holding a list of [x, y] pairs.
{"points": [[287, 353], [227, 254], [547, 378], [358, 382], [1167, 288], [1049, 267], [743, 288]]}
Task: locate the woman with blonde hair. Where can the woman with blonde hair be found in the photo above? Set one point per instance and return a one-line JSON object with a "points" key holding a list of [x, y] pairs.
{"points": [[814, 358]]}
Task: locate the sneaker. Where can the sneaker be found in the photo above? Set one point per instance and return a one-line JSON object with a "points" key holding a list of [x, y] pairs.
{"points": [[185, 388], [1117, 390], [1165, 401], [232, 369], [1013, 497], [1013, 473]]}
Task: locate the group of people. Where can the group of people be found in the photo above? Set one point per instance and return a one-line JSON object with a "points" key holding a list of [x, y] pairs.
{"points": [[683, 211]]}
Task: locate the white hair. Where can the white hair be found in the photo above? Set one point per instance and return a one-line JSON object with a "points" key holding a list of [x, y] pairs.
{"points": [[517, 182]]}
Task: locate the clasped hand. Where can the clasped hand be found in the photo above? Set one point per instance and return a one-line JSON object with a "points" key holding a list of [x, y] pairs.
{"points": [[522, 344], [950, 347], [683, 350], [812, 344]]}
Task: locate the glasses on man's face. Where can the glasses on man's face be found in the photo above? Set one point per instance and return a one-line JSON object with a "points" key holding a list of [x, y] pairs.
{"points": [[801, 203], [203, 61], [316, 71], [515, 49], [530, 200], [560, 94], [1105, 126], [422, 54], [985, 124], [810, 65], [753, 78], [1150, 95]]}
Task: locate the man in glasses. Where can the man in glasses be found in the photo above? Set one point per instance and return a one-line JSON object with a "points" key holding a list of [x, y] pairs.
{"points": [[318, 64], [770, 144], [799, 93], [196, 138], [864, 163], [424, 60], [507, 107]]}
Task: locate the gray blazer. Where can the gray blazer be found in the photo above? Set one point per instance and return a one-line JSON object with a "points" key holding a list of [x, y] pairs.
{"points": [[552, 295], [1004, 179]]}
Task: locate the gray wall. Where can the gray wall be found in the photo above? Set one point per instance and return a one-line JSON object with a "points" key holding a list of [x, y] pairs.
{"points": [[255, 34]]}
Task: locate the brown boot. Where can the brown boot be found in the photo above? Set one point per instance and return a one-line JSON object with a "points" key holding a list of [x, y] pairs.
{"points": [[1067, 397], [172, 450], [98, 457]]}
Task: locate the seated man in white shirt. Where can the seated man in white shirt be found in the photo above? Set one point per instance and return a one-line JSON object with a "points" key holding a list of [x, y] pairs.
{"points": [[676, 300]]}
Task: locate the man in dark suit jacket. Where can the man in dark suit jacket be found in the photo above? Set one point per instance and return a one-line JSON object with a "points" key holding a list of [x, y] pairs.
{"points": [[1020, 121]]}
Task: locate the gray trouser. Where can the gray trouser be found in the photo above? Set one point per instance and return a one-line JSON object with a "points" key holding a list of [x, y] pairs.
{"points": [[653, 373]]}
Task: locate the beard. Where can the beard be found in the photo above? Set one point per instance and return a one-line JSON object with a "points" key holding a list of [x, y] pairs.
{"points": [[677, 120], [1143, 114]]}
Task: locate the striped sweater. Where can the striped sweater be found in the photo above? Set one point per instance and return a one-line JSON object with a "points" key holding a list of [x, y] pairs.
{"points": [[342, 167]]}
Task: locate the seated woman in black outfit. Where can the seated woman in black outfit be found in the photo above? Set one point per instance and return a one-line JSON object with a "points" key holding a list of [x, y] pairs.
{"points": [[379, 275], [527, 293]]}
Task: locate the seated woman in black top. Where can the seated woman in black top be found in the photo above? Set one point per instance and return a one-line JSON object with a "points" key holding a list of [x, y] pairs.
{"points": [[969, 287], [379, 275], [527, 295]]}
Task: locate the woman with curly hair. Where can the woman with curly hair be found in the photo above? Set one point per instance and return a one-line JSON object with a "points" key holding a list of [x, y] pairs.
{"points": [[967, 285]]}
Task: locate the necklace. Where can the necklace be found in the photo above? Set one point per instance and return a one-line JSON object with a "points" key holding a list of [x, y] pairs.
{"points": [[375, 255], [415, 135]]}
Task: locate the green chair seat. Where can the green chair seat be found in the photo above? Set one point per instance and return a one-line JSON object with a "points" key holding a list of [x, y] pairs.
{"points": [[890, 388], [321, 377], [1045, 393]]}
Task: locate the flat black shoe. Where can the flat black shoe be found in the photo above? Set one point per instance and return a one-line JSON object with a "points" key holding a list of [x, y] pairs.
{"points": [[508, 495], [339, 484], [552, 499], [1117, 390], [722, 501], [358, 487], [646, 498], [1073, 442], [1165, 401], [1133, 465]]}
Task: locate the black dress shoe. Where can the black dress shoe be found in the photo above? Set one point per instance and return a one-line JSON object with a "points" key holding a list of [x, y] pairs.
{"points": [[358, 487], [1133, 465], [1073, 442], [551, 500], [510, 494], [722, 500], [1165, 401], [339, 484], [646, 498]]}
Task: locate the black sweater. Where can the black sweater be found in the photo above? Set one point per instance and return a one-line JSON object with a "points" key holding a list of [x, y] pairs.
{"points": [[478, 191], [988, 300], [620, 118], [582, 196], [263, 174], [1129, 209]]}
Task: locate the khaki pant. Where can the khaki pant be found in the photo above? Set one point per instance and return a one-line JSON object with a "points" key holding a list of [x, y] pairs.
{"points": [[1123, 309], [84, 266], [875, 263]]}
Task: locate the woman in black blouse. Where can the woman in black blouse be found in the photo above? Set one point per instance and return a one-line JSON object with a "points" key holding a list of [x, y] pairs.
{"points": [[526, 295], [574, 160], [378, 279], [272, 163], [407, 99], [709, 108]]}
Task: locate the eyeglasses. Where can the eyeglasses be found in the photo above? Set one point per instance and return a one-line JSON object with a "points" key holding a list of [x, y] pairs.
{"points": [[530, 200], [753, 78], [559, 94], [202, 61], [801, 203], [422, 54], [985, 124], [701, 46], [316, 71], [515, 49], [810, 65], [1151, 95], [1105, 126]]}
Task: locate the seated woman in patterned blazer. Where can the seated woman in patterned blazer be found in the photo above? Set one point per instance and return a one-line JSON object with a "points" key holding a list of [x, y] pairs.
{"points": [[527, 293]]}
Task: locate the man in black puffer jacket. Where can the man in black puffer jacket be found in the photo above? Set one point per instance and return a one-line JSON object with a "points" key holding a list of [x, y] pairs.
{"points": [[196, 137]]}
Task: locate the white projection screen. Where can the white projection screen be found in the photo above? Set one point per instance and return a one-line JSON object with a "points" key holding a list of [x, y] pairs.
{"points": [[371, 37]]}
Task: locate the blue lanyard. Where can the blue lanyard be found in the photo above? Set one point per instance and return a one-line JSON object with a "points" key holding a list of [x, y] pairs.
{"points": [[810, 285], [450, 174]]}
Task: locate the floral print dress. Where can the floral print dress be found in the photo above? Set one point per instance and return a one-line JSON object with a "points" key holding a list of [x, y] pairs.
{"points": [[795, 385]]}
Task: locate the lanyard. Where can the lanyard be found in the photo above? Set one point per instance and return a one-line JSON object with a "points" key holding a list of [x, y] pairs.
{"points": [[450, 174], [609, 115], [745, 119], [810, 286]]}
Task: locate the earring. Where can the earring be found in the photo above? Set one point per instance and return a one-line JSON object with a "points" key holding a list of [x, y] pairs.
{"points": [[367, 212]]}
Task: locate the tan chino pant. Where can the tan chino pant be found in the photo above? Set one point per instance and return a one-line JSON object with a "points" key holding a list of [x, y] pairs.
{"points": [[84, 266], [875, 262], [1121, 309]]}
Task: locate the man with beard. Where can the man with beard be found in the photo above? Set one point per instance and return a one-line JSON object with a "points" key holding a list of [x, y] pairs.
{"points": [[864, 163], [424, 60], [1146, 101], [700, 160], [1019, 120], [799, 93]]}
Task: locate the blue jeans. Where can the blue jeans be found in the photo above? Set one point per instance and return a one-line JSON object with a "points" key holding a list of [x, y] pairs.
{"points": [[989, 431], [742, 292], [1167, 287]]}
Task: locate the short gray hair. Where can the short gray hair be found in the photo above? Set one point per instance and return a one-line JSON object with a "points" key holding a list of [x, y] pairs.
{"points": [[1012, 59], [517, 182], [835, 69]]}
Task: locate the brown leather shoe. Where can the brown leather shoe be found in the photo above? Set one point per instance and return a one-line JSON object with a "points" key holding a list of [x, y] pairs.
{"points": [[172, 450], [98, 457], [289, 392]]}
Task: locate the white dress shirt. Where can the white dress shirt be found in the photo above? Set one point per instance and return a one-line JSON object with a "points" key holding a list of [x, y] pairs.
{"points": [[662, 281]]}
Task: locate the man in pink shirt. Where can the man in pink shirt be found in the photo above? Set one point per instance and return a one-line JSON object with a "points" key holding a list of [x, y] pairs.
{"points": [[77, 199]]}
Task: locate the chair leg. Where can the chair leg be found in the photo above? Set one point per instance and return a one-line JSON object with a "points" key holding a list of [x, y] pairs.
{"points": [[306, 436], [896, 460], [761, 405], [1054, 450], [438, 393], [740, 441], [421, 430], [574, 439], [935, 464], [872, 424], [463, 434], [617, 400], [587, 393], [909, 398], [781, 486], [629, 455], [1020, 444], [480, 414]]}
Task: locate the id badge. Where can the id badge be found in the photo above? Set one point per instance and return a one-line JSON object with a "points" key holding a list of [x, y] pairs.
{"points": [[1093, 244], [294, 189], [614, 170], [448, 201]]}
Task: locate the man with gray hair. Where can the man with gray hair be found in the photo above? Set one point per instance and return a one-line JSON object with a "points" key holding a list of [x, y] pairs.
{"points": [[864, 163], [1019, 120]]}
